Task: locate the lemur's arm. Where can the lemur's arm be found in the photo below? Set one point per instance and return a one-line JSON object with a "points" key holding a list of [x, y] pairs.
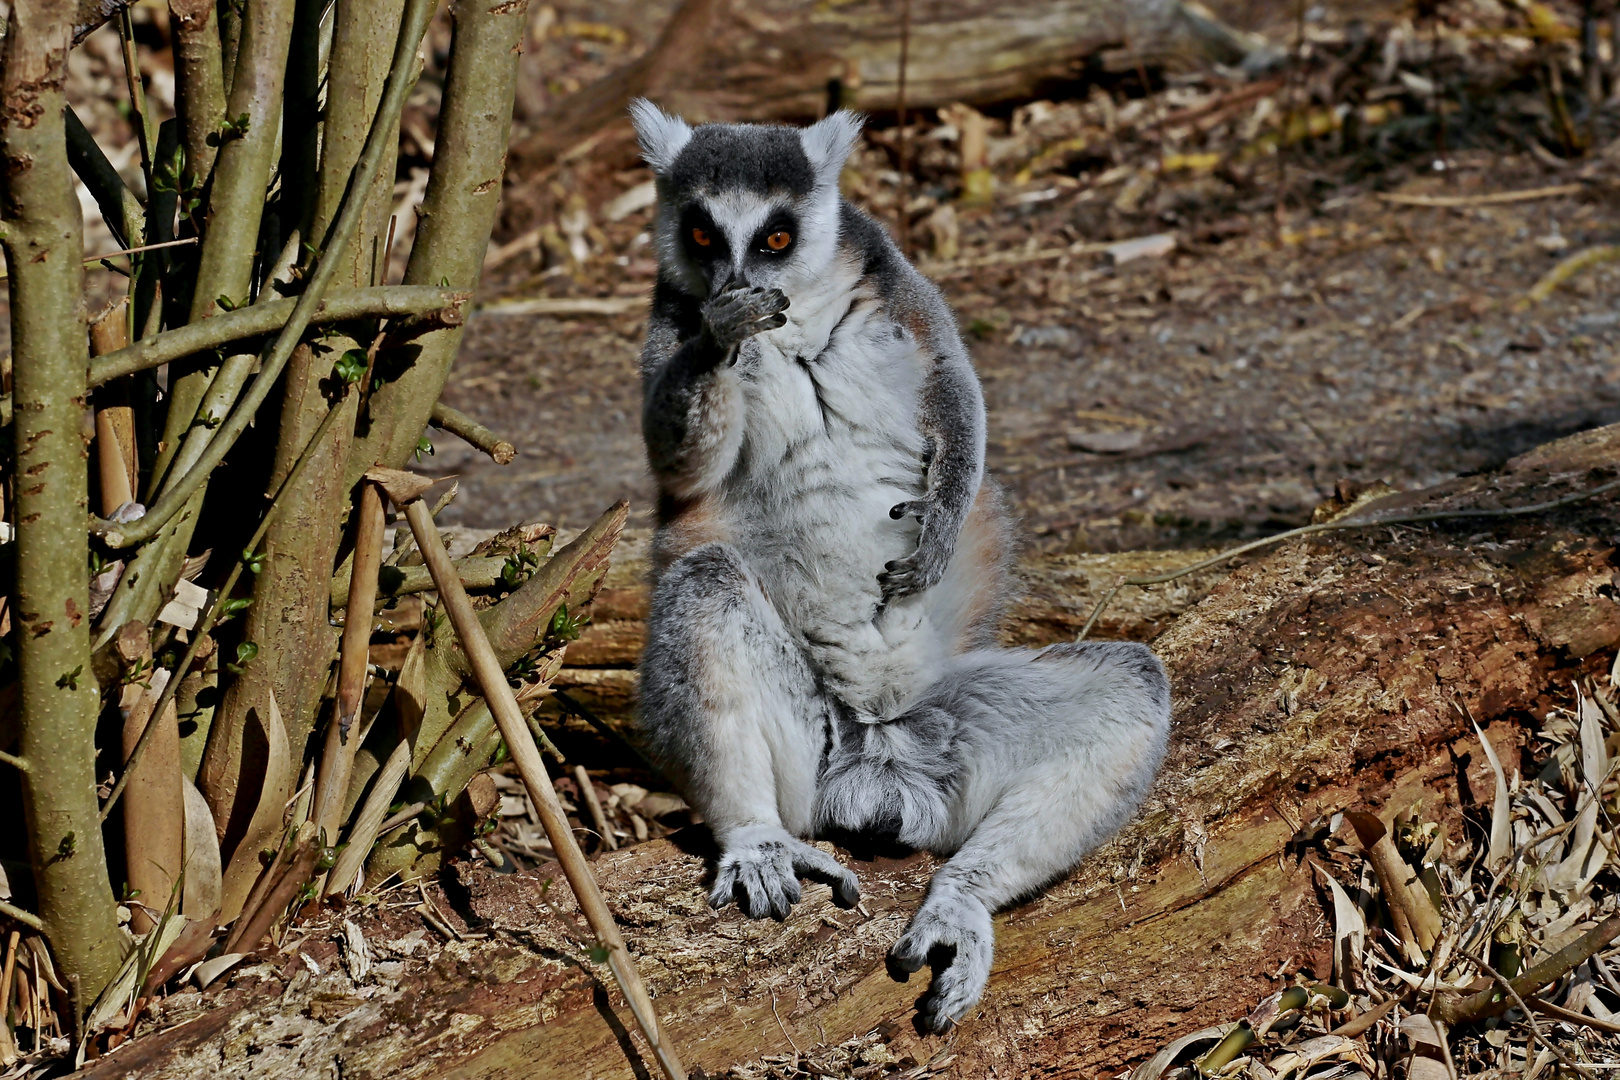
{"points": [[691, 408], [953, 421]]}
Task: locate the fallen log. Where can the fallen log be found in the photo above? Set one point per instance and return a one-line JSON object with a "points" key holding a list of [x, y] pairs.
{"points": [[1322, 677], [785, 60]]}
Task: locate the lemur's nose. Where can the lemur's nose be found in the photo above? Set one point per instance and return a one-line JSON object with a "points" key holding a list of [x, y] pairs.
{"points": [[734, 278]]}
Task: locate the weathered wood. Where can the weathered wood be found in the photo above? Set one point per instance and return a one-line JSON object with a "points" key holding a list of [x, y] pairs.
{"points": [[782, 59], [1323, 677]]}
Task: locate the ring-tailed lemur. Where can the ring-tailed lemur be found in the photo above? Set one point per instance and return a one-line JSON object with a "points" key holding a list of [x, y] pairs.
{"points": [[830, 566]]}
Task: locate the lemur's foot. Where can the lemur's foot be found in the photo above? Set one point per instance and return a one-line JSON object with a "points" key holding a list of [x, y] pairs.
{"points": [[923, 568], [760, 869], [952, 934], [738, 314]]}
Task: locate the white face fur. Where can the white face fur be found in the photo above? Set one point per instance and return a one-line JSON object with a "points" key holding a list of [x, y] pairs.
{"points": [[745, 204]]}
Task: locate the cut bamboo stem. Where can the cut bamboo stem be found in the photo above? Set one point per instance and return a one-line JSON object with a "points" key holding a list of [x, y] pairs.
{"points": [[476, 434], [337, 758], [115, 418], [406, 489]]}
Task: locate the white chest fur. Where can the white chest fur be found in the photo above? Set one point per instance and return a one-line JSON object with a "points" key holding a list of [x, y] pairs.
{"points": [[831, 441]]}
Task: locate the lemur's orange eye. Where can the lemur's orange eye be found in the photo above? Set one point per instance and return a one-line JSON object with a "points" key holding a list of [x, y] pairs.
{"points": [[778, 240], [700, 238]]}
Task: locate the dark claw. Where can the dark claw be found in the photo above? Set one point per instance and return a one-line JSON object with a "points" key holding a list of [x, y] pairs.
{"points": [[897, 511], [898, 971]]}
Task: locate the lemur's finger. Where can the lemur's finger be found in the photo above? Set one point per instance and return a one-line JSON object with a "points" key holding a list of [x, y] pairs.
{"points": [[770, 322], [817, 865], [754, 899], [917, 508], [725, 886]]}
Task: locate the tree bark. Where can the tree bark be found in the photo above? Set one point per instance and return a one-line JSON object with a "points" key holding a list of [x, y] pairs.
{"points": [[59, 698], [785, 60], [1322, 677]]}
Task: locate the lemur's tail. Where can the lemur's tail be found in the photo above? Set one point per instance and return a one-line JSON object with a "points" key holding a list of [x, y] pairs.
{"points": [[1083, 724]]}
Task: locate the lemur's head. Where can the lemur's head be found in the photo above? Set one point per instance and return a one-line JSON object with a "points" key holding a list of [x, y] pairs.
{"points": [[745, 204]]}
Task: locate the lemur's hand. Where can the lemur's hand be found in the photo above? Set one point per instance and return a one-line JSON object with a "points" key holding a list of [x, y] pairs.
{"points": [[923, 568], [760, 868], [738, 314]]}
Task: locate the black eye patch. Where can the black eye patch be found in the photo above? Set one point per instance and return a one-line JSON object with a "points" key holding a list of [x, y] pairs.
{"points": [[778, 235], [700, 237]]}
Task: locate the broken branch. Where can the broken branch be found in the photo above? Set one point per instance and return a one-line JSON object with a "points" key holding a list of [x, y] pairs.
{"points": [[476, 434]]}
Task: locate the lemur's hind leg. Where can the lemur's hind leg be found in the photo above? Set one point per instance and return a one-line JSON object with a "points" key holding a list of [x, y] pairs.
{"points": [[730, 707], [1052, 752]]}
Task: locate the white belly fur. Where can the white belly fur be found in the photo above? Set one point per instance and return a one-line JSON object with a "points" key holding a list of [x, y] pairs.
{"points": [[829, 445]]}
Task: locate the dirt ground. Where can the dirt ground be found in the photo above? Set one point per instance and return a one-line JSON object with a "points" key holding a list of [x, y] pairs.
{"points": [[1374, 343], [1269, 356]]}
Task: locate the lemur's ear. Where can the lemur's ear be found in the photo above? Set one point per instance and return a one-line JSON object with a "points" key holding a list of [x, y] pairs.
{"points": [[828, 143], [661, 135]]}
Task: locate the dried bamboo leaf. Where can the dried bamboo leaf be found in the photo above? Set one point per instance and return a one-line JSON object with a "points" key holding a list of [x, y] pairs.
{"points": [[204, 876], [1155, 1066], [1349, 932], [244, 867], [1501, 808]]}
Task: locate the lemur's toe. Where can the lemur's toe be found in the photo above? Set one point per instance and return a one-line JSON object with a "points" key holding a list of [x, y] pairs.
{"points": [[905, 957], [847, 891]]}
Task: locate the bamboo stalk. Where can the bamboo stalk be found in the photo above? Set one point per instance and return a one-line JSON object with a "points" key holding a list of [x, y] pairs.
{"points": [[337, 758], [235, 205], [199, 85], [59, 699], [406, 489], [457, 213], [206, 625], [179, 493]]}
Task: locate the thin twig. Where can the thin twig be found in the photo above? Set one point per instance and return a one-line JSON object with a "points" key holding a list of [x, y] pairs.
{"points": [[587, 792], [1529, 1017], [404, 816], [269, 316], [18, 763], [1494, 198], [1555, 1012], [570, 704], [1336, 526], [27, 918]]}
